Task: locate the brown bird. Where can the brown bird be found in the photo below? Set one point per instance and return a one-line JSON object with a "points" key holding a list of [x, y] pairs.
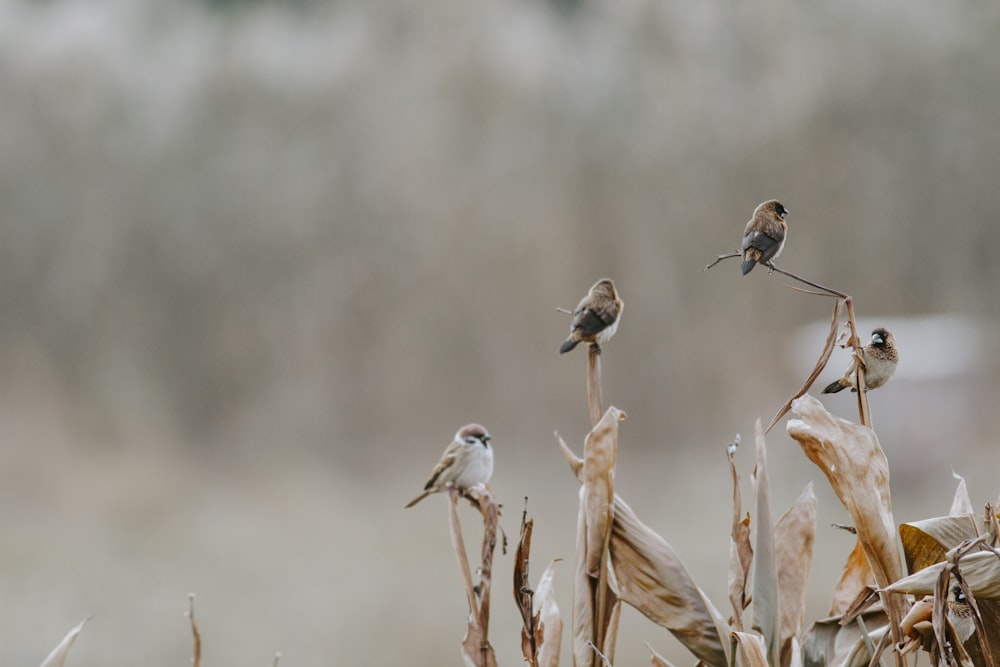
{"points": [[596, 317], [466, 462], [880, 358], [764, 236]]}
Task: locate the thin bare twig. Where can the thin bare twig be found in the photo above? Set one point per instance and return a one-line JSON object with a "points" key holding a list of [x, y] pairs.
{"points": [[735, 253]]}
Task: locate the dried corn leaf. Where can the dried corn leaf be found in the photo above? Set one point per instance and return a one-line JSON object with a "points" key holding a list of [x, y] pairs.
{"points": [[740, 549], [611, 629], [652, 579], [748, 649], [794, 535], [961, 503], [853, 462], [599, 453], [856, 576], [574, 461], [57, 658], [981, 571], [657, 660], [926, 542], [829, 644], [549, 620], [766, 605]]}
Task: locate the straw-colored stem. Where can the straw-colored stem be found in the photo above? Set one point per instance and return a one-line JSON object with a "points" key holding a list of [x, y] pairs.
{"points": [[594, 399]]}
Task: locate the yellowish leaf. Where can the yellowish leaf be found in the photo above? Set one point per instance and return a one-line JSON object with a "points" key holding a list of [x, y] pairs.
{"points": [[926, 542], [856, 576]]}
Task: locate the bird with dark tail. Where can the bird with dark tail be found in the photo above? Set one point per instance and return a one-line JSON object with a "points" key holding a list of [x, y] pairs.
{"points": [[596, 317], [880, 359], [764, 236]]}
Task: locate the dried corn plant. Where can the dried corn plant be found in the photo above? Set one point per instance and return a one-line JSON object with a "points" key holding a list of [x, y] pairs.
{"points": [[541, 631], [476, 648]]}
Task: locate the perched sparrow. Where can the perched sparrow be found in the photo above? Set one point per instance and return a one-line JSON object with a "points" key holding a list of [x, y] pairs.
{"points": [[764, 236], [467, 461], [596, 318], [880, 359]]}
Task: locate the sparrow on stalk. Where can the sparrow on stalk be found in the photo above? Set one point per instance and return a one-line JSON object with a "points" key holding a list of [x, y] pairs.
{"points": [[466, 462], [596, 317]]}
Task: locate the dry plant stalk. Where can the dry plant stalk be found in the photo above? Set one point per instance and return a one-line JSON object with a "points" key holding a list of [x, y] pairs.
{"points": [[523, 595], [595, 606], [57, 658], [541, 631], [476, 648], [195, 632], [855, 465], [595, 400], [740, 548]]}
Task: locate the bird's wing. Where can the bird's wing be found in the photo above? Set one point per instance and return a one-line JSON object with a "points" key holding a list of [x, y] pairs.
{"points": [[766, 241], [591, 321], [447, 461]]}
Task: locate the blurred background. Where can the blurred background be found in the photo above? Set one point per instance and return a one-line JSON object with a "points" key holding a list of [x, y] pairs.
{"points": [[260, 260]]}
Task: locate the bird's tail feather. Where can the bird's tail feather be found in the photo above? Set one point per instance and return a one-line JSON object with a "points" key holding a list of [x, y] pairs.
{"points": [[748, 265], [567, 346], [417, 500], [834, 387]]}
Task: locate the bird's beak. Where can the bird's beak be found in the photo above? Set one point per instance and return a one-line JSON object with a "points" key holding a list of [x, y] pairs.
{"points": [[877, 339]]}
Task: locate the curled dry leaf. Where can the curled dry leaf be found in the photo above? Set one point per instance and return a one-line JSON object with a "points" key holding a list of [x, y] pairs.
{"points": [[766, 604], [599, 454], [856, 576], [981, 571], [549, 620], [748, 650], [794, 536], [927, 542], [652, 579], [852, 460], [57, 658]]}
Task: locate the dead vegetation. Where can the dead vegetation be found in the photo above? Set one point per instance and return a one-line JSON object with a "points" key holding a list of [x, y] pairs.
{"points": [[947, 607]]}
